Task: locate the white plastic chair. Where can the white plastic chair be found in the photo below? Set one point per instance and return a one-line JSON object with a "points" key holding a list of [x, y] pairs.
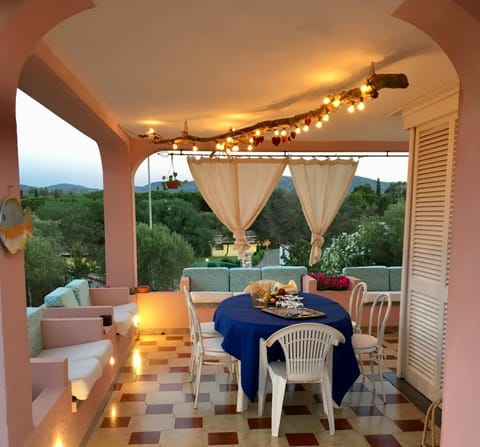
{"points": [[306, 347], [355, 307], [205, 351], [369, 346]]}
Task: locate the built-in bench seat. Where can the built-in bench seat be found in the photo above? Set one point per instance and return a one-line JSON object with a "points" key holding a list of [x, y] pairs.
{"points": [[211, 285], [83, 301], [81, 341]]}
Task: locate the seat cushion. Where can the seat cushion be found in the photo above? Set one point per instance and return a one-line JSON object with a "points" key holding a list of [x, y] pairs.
{"points": [[131, 308], [209, 297], [364, 342], [123, 321], [284, 274], [81, 290], [60, 297], [377, 277], [83, 373], [241, 278], [102, 350]]}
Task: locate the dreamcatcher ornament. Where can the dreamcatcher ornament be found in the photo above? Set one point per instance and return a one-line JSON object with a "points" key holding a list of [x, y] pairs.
{"points": [[15, 225]]}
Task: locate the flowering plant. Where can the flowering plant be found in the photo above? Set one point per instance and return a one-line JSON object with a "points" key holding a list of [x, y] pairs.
{"points": [[324, 282]]}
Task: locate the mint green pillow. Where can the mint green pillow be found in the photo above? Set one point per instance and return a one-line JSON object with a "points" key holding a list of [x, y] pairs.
{"points": [[61, 297], [81, 290]]}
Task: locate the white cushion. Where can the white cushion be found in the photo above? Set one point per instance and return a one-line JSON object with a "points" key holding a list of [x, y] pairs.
{"points": [[123, 321], [363, 341], [132, 308], [209, 297], [208, 329], [83, 373], [102, 350]]}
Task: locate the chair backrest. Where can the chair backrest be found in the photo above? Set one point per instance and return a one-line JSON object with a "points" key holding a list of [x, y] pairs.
{"points": [[306, 346], [195, 327], [357, 297], [379, 314]]}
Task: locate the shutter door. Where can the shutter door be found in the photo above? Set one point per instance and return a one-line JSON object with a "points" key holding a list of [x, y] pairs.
{"points": [[428, 256]]}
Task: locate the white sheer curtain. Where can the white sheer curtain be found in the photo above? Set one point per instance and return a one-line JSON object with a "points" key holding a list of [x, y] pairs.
{"points": [[237, 189], [321, 187]]}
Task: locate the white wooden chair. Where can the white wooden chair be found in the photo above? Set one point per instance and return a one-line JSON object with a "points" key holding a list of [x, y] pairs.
{"points": [[369, 346], [205, 350], [208, 327], [306, 347], [355, 307]]}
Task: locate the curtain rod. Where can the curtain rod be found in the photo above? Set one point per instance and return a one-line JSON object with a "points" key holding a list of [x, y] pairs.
{"points": [[185, 153]]}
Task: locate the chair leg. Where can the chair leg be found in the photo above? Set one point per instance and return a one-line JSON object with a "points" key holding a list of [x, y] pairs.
{"points": [[278, 393], [327, 403], [197, 380], [192, 363], [262, 387], [379, 364]]}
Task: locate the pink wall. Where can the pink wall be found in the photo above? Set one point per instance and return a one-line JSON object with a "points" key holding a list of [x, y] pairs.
{"points": [[458, 33]]}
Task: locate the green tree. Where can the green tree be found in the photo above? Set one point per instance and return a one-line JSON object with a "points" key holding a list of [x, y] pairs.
{"points": [[161, 256]]}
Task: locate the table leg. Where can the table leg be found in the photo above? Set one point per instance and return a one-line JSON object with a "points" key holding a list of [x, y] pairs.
{"points": [[242, 402]]}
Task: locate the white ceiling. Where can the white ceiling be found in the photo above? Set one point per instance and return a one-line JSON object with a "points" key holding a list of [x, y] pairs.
{"points": [[231, 63]]}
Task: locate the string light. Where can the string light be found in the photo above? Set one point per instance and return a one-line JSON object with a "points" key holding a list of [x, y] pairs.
{"points": [[285, 130]]}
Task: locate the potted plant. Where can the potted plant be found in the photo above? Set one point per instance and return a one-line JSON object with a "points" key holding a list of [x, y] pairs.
{"points": [[172, 182]]}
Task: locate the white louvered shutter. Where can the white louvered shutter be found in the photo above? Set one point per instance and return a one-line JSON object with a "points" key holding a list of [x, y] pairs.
{"points": [[428, 255]]}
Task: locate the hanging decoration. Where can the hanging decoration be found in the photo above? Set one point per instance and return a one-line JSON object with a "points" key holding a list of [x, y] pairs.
{"points": [[170, 181], [285, 130], [15, 225]]}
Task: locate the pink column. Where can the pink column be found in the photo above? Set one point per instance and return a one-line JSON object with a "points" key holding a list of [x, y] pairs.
{"points": [[22, 24], [457, 31]]}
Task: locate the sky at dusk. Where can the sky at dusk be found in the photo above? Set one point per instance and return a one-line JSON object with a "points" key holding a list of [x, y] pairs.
{"points": [[51, 152]]}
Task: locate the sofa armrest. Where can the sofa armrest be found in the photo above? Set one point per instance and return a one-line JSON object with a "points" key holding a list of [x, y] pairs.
{"points": [[309, 284], [76, 312], [47, 373], [57, 332], [110, 296], [184, 282]]}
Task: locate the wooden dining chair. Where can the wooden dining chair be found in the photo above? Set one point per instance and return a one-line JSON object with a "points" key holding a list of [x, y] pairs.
{"points": [[306, 347], [369, 346]]}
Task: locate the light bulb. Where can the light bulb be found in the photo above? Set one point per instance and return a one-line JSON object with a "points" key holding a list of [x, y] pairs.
{"points": [[365, 88], [150, 131], [258, 133], [235, 148], [251, 140], [325, 117], [276, 132], [319, 124], [336, 102], [195, 147], [249, 147], [326, 100], [361, 106], [283, 133], [229, 139], [351, 108], [175, 146], [298, 130], [306, 128]]}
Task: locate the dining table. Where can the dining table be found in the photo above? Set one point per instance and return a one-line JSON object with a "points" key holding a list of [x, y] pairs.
{"points": [[243, 325]]}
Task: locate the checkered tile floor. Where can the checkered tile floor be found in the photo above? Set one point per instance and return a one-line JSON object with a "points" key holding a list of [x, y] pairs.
{"points": [[151, 404]]}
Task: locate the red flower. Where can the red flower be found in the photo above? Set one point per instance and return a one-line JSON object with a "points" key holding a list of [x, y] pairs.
{"points": [[339, 282]]}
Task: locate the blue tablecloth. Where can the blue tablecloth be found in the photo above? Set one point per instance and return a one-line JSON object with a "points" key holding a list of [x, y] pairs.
{"points": [[242, 327]]}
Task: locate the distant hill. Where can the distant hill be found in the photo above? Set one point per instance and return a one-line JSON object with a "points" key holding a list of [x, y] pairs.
{"points": [[284, 183], [65, 187]]}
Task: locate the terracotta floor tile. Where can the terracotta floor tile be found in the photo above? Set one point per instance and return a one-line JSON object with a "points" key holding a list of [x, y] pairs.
{"points": [[165, 348], [202, 397], [147, 343], [174, 337], [170, 387], [257, 423], [183, 355], [178, 369], [409, 424], [157, 361], [115, 422], [117, 386], [228, 387], [222, 438], [394, 398], [225, 409], [301, 439], [382, 441], [368, 410], [144, 437], [187, 422], [159, 409], [296, 409], [133, 397], [147, 377], [340, 424]]}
